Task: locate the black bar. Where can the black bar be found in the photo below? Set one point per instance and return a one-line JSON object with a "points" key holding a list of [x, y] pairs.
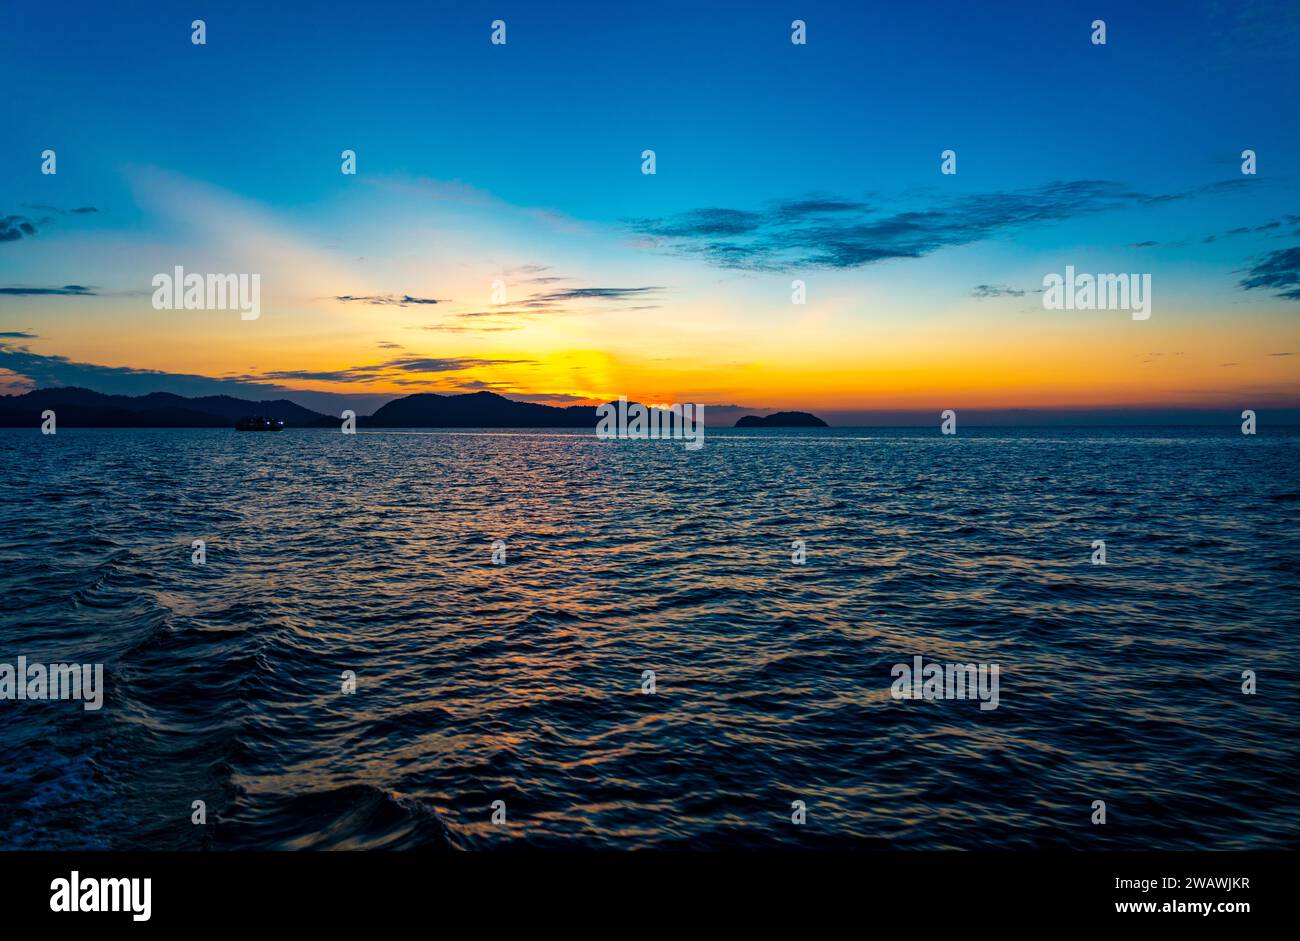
{"points": [[348, 890]]}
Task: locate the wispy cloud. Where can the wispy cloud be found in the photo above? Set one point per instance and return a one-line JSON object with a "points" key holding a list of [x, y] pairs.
{"points": [[1279, 271], [994, 290], [73, 290], [552, 298], [13, 228], [44, 371], [549, 303], [825, 232], [398, 300], [34, 370], [393, 370], [470, 328], [79, 211], [1274, 226]]}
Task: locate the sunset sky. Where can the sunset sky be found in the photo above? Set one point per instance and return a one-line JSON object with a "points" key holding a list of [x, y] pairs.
{"points": [[522, 163]]}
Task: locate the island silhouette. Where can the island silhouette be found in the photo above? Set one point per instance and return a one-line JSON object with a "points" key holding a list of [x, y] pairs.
{"points": [[781, 420], [83, 408]]}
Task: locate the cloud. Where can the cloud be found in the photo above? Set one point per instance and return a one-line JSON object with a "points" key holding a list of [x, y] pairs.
{"points": [[427, 364], [460, 328], [387, 299], [79, 211], [815, 206], [553, 301], [550, 303], [1279, 271], [1272, 226], [701, 223], [24, 335], [39, 371], [992, 290], [13, 228], [72, 290], [45, 371], [824, 232], [393, 370], [583, 294], [34, 370]]}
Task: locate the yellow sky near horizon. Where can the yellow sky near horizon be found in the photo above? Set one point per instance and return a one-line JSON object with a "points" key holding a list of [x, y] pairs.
{"points": [[1017, 358]]}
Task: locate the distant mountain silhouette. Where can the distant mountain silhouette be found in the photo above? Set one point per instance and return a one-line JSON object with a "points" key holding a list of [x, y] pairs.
{"points": [[476, 410], [82, 408], [782, 420]]}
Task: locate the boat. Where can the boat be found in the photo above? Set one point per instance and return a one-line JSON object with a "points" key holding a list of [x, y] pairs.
{"points": [[259, 423]]}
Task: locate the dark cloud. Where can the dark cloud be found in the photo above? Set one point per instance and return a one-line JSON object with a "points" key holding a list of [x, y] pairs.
{"points": [[582, 294], [49, 371], [389, 371], [427, 364], [816, 206], [351, 374], [550, 303], [17, 335], [13, 228], [825, 232], [993, 290], [79, 211], [701, 223], [74, 290], [1240, 230], [398, 300], [46, 371], [1278, 271]]}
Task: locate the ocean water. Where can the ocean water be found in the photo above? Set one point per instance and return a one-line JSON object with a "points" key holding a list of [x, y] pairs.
{"points": [[522, 682]]}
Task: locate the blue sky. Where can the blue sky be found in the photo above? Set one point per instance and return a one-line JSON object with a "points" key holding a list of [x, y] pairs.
{"points": [[736, 114]]}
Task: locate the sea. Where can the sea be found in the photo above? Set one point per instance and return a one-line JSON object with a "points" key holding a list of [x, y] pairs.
{"points": [[501, 639]]}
